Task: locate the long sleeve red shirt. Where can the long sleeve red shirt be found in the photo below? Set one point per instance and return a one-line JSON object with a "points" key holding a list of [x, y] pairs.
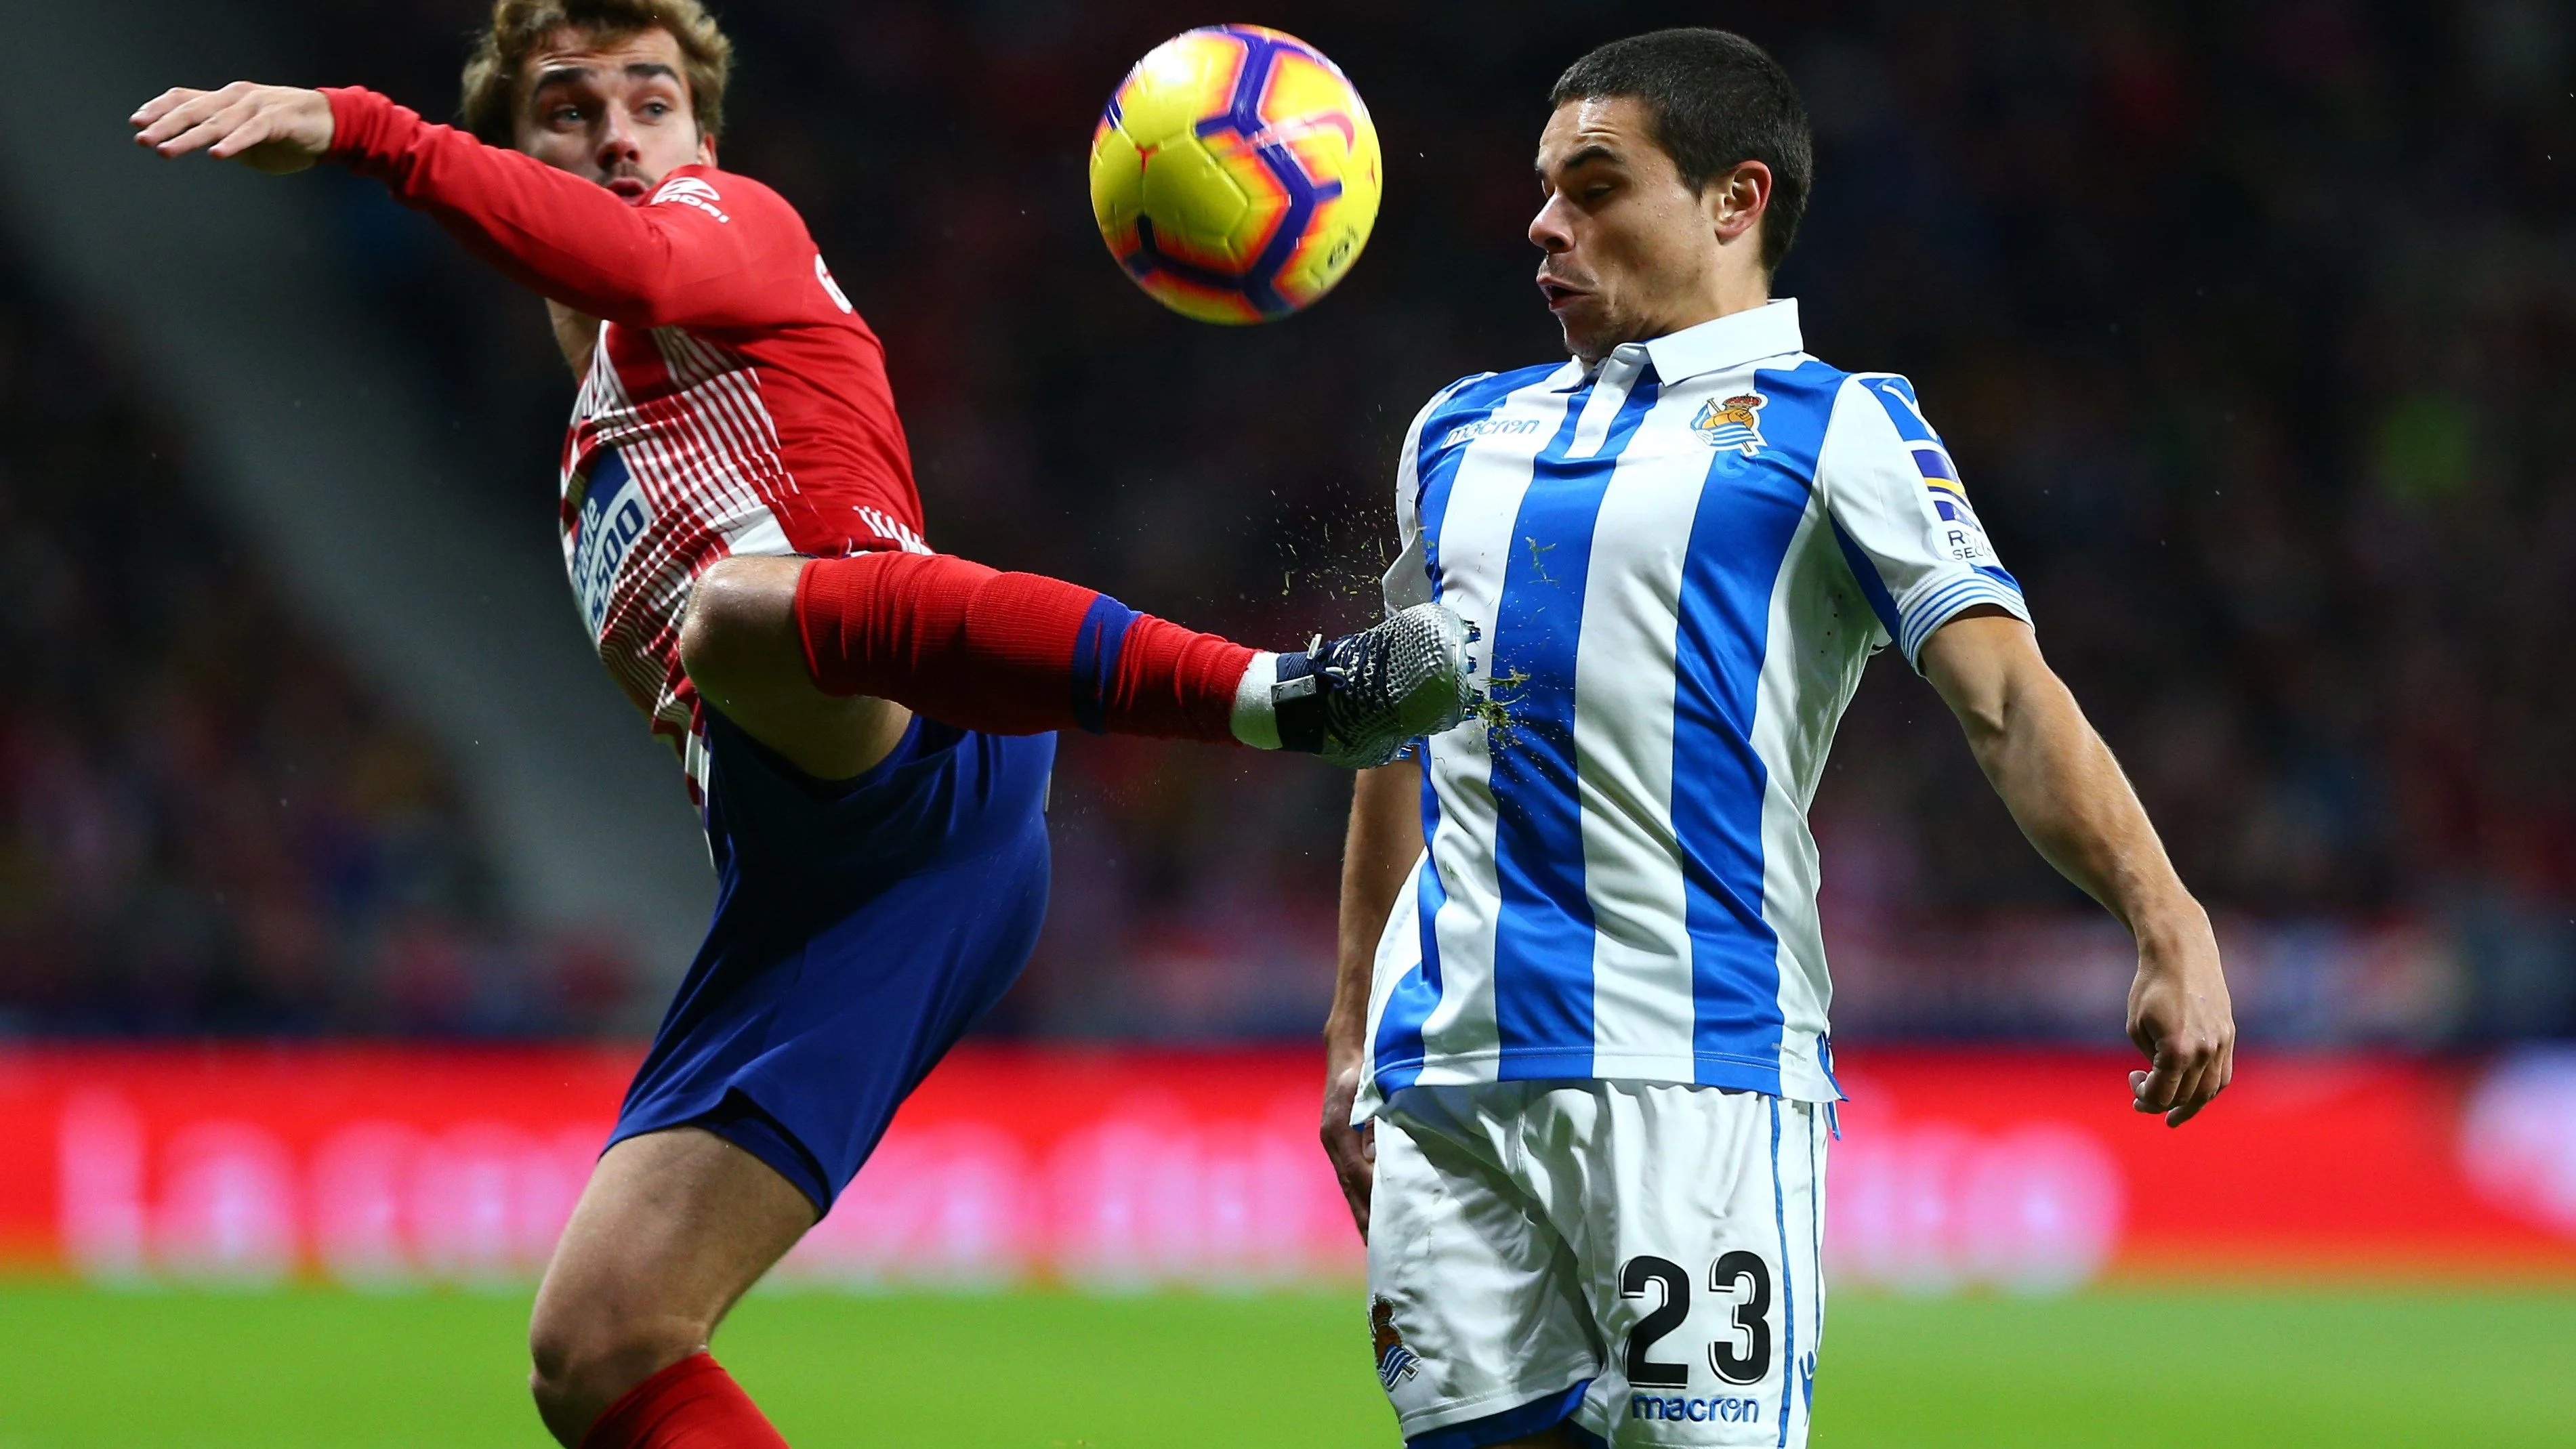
{"points": [[736, 403]]}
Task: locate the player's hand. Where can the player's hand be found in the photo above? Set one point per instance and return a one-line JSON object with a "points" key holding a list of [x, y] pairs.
{"points": [[2179, 1015], [275, 129], [1353, 1150]]}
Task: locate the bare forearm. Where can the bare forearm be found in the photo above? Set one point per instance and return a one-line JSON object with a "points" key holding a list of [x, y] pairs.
{"points": [[1385, 836], [2070, 798], [2067, 793]]}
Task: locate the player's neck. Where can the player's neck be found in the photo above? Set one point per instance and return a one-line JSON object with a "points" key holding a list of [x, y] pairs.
{"points": [[1725, 297], [1733, 290]]}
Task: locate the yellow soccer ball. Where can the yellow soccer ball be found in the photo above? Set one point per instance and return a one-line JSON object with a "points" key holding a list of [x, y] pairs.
{"points": [[1235, 174]]}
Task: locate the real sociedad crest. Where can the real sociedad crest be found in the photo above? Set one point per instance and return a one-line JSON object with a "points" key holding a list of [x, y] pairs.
{"points": [[1732, 423], [1395, 1362]]}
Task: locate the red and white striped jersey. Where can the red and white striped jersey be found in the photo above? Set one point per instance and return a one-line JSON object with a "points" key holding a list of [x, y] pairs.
{"points": [[736, 403]]}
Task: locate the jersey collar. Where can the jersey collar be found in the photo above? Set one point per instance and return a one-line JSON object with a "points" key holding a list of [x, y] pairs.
{"points": [[1729, 341], [1769, 330]]}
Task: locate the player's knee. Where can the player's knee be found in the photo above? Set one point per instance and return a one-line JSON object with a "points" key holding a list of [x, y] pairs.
{"points": [[583, 1357], [740, 610]]}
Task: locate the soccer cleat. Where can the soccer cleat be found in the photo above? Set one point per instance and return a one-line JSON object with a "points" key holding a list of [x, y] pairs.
{"points": [[1359, 699]]}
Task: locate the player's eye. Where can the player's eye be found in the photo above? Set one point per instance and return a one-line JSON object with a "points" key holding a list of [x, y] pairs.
{"points": [[657, 109]]}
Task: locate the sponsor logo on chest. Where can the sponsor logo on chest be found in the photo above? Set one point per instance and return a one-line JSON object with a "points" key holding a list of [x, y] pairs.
{"points": [[614, 514], [1489, 428]]}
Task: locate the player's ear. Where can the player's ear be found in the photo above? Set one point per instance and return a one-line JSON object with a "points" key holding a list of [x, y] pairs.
{"points": [[1735, 199], [706, 149]]}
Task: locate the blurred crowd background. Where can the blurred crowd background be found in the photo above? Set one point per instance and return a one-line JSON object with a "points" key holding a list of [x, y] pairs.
{"points": [[207, 824], [2252, 326]]}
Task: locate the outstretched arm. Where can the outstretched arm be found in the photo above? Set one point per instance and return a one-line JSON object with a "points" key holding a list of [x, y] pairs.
{"points": [[2067, 793], [692, 263], [276, 129]]}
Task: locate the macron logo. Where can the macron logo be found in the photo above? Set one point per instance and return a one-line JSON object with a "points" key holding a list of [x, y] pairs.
{"points": [[1488, 427], [690, 191]]}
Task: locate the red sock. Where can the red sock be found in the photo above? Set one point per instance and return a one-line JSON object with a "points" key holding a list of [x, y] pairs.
{"points": [[693, 1404], [1010, 654]]}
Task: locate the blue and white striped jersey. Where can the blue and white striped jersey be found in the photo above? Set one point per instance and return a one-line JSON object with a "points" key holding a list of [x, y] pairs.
{"points": [[1678, 563]]}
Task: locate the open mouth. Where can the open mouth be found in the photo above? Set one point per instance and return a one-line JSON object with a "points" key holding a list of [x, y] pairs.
{"points": [[1557, 293], [628, 188]]}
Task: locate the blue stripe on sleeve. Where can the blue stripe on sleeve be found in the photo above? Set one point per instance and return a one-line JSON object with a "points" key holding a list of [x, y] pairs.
{"points": [[1948, 601], [1896, 395], [1543, 935], [1096, 647], [1749, 510]]}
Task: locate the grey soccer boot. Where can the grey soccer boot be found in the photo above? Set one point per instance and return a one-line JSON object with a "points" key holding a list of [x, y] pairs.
{"points": [[1358, 700]]}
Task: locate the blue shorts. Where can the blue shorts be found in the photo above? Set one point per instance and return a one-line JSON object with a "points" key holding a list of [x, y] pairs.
{"points": [[860, 928]]}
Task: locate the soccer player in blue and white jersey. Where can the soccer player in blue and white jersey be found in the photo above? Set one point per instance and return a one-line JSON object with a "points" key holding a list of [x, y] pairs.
{"points": [[1580, 1078]]}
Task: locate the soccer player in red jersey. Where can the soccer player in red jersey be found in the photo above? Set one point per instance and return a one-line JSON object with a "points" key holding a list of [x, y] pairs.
{"points": [[866, 724]]}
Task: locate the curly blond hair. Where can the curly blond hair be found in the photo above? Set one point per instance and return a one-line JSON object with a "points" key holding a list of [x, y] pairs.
{"points": [[519, 27]]}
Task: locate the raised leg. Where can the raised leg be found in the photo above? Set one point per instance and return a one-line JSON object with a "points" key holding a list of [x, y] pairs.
{"points": [[787, 647], [740, 644]]}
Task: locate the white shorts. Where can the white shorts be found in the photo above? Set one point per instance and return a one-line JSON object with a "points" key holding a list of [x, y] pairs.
{"points": [[1637, 1258]]}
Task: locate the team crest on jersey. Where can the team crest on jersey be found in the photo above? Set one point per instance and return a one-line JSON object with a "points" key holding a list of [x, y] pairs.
{"points": [[1395, 1362], [1734, 422]]}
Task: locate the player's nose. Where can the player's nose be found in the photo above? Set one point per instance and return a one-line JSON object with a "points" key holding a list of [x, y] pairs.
{"points": [[1548, 232], [617, 142]]}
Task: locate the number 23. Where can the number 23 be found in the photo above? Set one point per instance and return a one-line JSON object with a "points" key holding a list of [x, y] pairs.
{"points": [[1735, 1272]]}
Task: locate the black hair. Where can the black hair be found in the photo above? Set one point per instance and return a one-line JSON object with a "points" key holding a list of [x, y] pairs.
{"points": [[1714, 100]]}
